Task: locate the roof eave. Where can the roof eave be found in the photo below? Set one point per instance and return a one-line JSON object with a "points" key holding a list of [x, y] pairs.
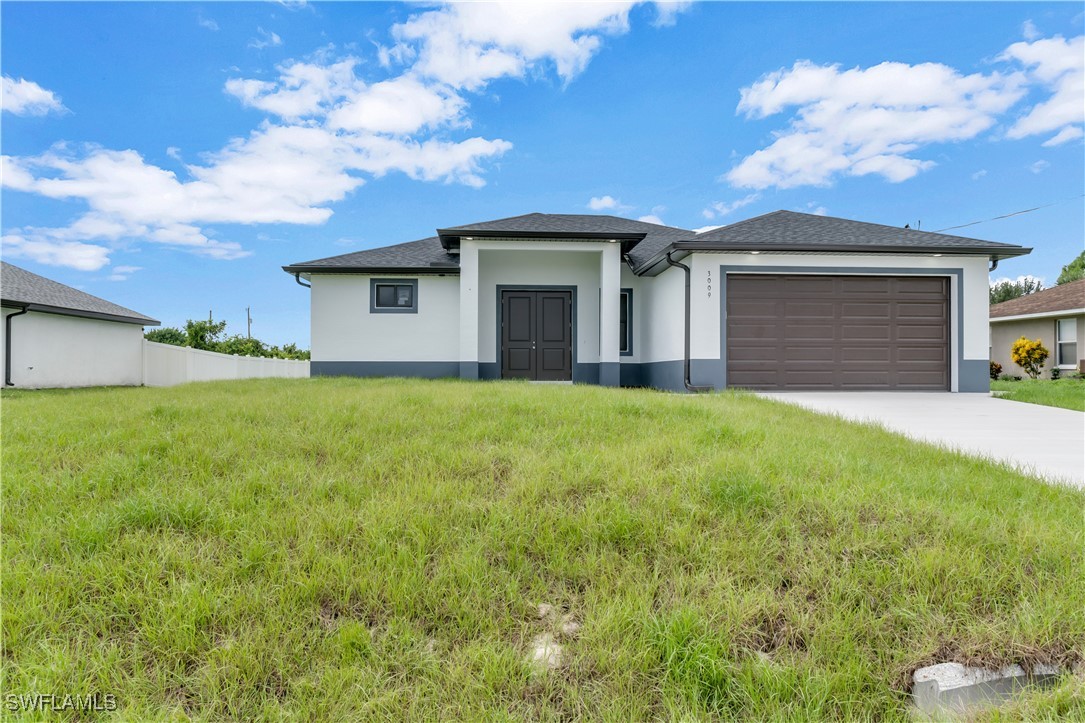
{"points": [[82, 313], [413, 270], [450, 237], [1002, 252]]}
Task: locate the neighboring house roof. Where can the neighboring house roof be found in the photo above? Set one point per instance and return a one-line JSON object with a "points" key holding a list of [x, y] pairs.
{"points": [[646, 244], [1061, 298], [21, 288]]}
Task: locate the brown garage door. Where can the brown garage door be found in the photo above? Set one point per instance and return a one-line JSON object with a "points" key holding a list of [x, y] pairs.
{"points": [[837, 332]]}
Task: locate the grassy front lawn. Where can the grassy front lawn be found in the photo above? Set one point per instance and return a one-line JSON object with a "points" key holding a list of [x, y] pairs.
{"points": [[1066, 393], [342, 549]]}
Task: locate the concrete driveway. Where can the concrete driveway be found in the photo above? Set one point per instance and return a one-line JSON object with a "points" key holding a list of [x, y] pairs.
{"points": [[1045, 441]]}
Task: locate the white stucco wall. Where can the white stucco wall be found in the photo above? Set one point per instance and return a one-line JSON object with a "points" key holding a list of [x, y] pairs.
{"points": [[973, 298], [662, 331], [343, 329], [49, 350], [575, 264]]}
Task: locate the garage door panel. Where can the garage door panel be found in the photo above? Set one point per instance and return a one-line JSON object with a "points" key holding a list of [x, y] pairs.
{"points": [[869, 310], [814, 332], [808, 286], [864, 378], [879, 332], [865, 354], [805, 353], [921, 332], [758, 354], [753, 332], [922, 354], [837, 332], [873, 285], [754, 309], [809, 310]]}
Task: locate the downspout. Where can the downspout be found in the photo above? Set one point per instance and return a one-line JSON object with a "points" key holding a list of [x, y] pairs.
{"points": [[297, 277], [994, 264], [7, 346], [686, 377]]}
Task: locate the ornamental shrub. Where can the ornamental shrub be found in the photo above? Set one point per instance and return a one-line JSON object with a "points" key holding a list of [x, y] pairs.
{"points": [[996, 370], [1029, 355]]}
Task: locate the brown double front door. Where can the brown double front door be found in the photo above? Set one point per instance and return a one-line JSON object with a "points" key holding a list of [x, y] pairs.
{"points": [[537, 335]]}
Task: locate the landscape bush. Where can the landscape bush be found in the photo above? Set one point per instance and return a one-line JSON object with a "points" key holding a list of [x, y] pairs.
{"points": [[1030, 355], [209, 336], [996, 370]]}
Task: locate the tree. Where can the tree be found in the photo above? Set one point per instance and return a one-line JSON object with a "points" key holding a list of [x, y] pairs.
{"points": [[1072, 271], [1006, 289], [1029, 355], [166, 335], [204, 334]]}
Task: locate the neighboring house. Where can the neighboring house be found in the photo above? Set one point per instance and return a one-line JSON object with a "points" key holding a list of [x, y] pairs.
{"points": [[57, 336], [782, 301], [1055, 316]]}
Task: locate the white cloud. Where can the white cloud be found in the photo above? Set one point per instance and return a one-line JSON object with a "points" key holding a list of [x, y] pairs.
{"points": [[865, 121], [651, 218], [817, 210], [1039, 166], [667, 12], [1057, 65], [25, 97], [466, 45], [302, 89], [1019, 279], [703, 229], [73, 254], [207, 23], [121, 273], [979, 174], [265, 39], [606, 203], [328, 131], [1029, 30], [722, 208]]}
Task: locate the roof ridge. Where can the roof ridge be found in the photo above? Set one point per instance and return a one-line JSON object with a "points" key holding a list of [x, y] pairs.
{"points": [[747, 220]]}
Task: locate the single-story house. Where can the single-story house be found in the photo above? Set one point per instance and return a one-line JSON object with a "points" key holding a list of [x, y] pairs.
{"points": [[57, 336], [1055, 316], [782, 301]]}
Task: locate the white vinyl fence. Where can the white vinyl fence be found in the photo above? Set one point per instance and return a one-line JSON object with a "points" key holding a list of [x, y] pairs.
{"points": [[165, 365]]}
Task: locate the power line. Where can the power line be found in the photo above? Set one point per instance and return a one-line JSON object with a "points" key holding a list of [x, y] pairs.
{"points": [[1007, 215]]}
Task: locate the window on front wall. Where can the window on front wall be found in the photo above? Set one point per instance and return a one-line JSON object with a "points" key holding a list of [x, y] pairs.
{"points": [[1066, 342], [625, 322], [392, 296]]}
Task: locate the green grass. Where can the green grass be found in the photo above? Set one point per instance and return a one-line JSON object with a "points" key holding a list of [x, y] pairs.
{"points": [[342, 549], [1066, 393]]}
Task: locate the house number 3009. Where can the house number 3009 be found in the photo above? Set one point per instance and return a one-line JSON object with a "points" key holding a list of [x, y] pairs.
{"points": [[710, 283]]}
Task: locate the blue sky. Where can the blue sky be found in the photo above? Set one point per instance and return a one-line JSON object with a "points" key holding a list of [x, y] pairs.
{"points": [[172, 157]]}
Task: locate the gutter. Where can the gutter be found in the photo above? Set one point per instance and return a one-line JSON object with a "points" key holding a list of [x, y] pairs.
{"points": [[7, 345], [685, 368], [297, 277]]}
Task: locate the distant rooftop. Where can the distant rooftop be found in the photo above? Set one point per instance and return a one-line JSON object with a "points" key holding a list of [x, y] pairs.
{"points": [[22, 288], [1064, 297]]}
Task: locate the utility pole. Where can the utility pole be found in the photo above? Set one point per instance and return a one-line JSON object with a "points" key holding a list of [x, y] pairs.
{"points": [[248, 322]]}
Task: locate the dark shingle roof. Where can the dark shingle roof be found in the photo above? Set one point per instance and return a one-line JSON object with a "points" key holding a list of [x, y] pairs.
{"points": [[429, 253], [646, 243], [424, 254], [20, 287], [1064, 297], [788, 230]]}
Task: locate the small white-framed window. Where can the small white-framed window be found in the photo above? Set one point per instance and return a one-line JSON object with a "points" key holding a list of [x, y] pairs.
{"points": [[1066, 342]]}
